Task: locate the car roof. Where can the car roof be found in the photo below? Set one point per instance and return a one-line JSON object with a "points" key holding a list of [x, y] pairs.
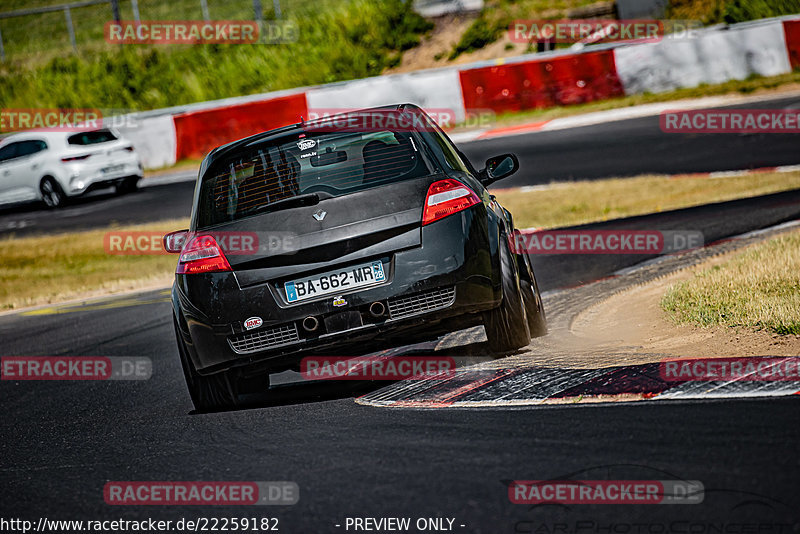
{"points": [[45, 135], [226, 149]]}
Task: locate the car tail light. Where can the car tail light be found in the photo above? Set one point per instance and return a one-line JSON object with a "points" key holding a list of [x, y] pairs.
{"points": [[202, 255], [128, 148], [445, 198], [75, 158]]}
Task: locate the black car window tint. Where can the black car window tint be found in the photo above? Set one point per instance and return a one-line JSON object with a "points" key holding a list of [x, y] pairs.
{"points": [[91, 138], [335, 163], [26, 148], [8, 152]]}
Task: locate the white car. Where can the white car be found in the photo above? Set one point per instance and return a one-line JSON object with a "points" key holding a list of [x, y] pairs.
{"points": [[52, 166]]}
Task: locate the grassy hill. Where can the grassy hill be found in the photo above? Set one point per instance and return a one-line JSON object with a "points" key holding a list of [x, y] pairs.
{"points": [[339, 40]]}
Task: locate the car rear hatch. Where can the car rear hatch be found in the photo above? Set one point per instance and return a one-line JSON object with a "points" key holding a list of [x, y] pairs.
{"points": [[98, 150], [315, 199], [291, 242]]}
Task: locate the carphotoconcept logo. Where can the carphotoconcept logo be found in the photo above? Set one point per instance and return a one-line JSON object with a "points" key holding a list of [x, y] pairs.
{"points": [[75, 368], [605, 241]]}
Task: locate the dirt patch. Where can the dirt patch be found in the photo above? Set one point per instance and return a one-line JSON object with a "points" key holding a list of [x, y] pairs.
{"points": [[442, 39], [633, 327]]}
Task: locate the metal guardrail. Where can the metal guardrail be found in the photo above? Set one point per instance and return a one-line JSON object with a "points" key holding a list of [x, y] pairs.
{"points": [[66, 8], [114, 13]]}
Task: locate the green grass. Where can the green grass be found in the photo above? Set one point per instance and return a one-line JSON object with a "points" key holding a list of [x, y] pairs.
{"points": [[338, 40], [730, 11], [758, 288], [54, 268], [566, 204]]}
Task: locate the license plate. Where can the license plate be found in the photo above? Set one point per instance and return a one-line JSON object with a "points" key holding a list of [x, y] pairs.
{"points": [[113, 168], [340, 281]]}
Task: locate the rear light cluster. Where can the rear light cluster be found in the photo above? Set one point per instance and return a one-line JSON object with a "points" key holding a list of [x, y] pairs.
{"points": [[202, 254], [75, 158], [445, 198]]}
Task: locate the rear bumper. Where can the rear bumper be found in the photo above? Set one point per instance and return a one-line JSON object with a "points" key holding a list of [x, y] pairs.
{"points": [[81, 181], [432, 289]]}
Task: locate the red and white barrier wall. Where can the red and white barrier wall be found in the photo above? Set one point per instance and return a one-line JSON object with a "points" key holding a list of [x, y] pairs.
{"points": [[766, 48]]}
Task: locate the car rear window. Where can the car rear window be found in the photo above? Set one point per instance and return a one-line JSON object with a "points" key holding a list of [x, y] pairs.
{"points": [[91, 138], [329, 163]]}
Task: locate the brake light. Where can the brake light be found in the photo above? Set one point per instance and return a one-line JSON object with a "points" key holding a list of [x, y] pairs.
{"points": [[445, 198], [75, 158], [202, 255], [128, 148]]}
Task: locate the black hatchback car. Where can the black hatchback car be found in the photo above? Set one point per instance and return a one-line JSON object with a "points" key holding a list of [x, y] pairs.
{"points": [[342, 236]]}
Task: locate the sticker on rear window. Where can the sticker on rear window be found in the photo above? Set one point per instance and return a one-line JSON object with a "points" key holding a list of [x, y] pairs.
{"points": [[306, 144]]}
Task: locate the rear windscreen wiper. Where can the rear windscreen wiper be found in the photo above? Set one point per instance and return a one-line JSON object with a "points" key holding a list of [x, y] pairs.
{"points": [[309, 199]]}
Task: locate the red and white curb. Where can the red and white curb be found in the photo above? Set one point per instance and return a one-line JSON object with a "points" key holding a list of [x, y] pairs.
{"points": [[482, 388]]}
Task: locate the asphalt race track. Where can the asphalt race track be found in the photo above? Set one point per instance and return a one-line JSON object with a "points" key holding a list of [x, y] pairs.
{"points": [[64, 440], [621, 148], [638, 146]]}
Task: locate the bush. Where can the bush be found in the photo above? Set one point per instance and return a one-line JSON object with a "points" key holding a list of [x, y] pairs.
{"points": [[744, 10], [479, 34], [351, 39]]}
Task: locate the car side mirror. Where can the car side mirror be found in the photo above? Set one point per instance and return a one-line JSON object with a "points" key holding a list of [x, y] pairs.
{"points": [[174, 241], [499, 167]]}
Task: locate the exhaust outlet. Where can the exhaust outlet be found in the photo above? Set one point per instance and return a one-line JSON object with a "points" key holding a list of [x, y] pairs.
{"points": [[377, 309], [310, 323]]}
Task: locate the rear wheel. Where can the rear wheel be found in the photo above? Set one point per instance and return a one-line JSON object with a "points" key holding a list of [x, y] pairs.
{"points": [[52, 194], [211, 392], [507, 325], [128, 185], [534, 309]]}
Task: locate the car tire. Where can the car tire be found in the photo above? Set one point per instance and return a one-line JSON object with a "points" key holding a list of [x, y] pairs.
{"points": [[52, 194], [128, 185], [507, 325], [534, 309], [208, 392]]}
